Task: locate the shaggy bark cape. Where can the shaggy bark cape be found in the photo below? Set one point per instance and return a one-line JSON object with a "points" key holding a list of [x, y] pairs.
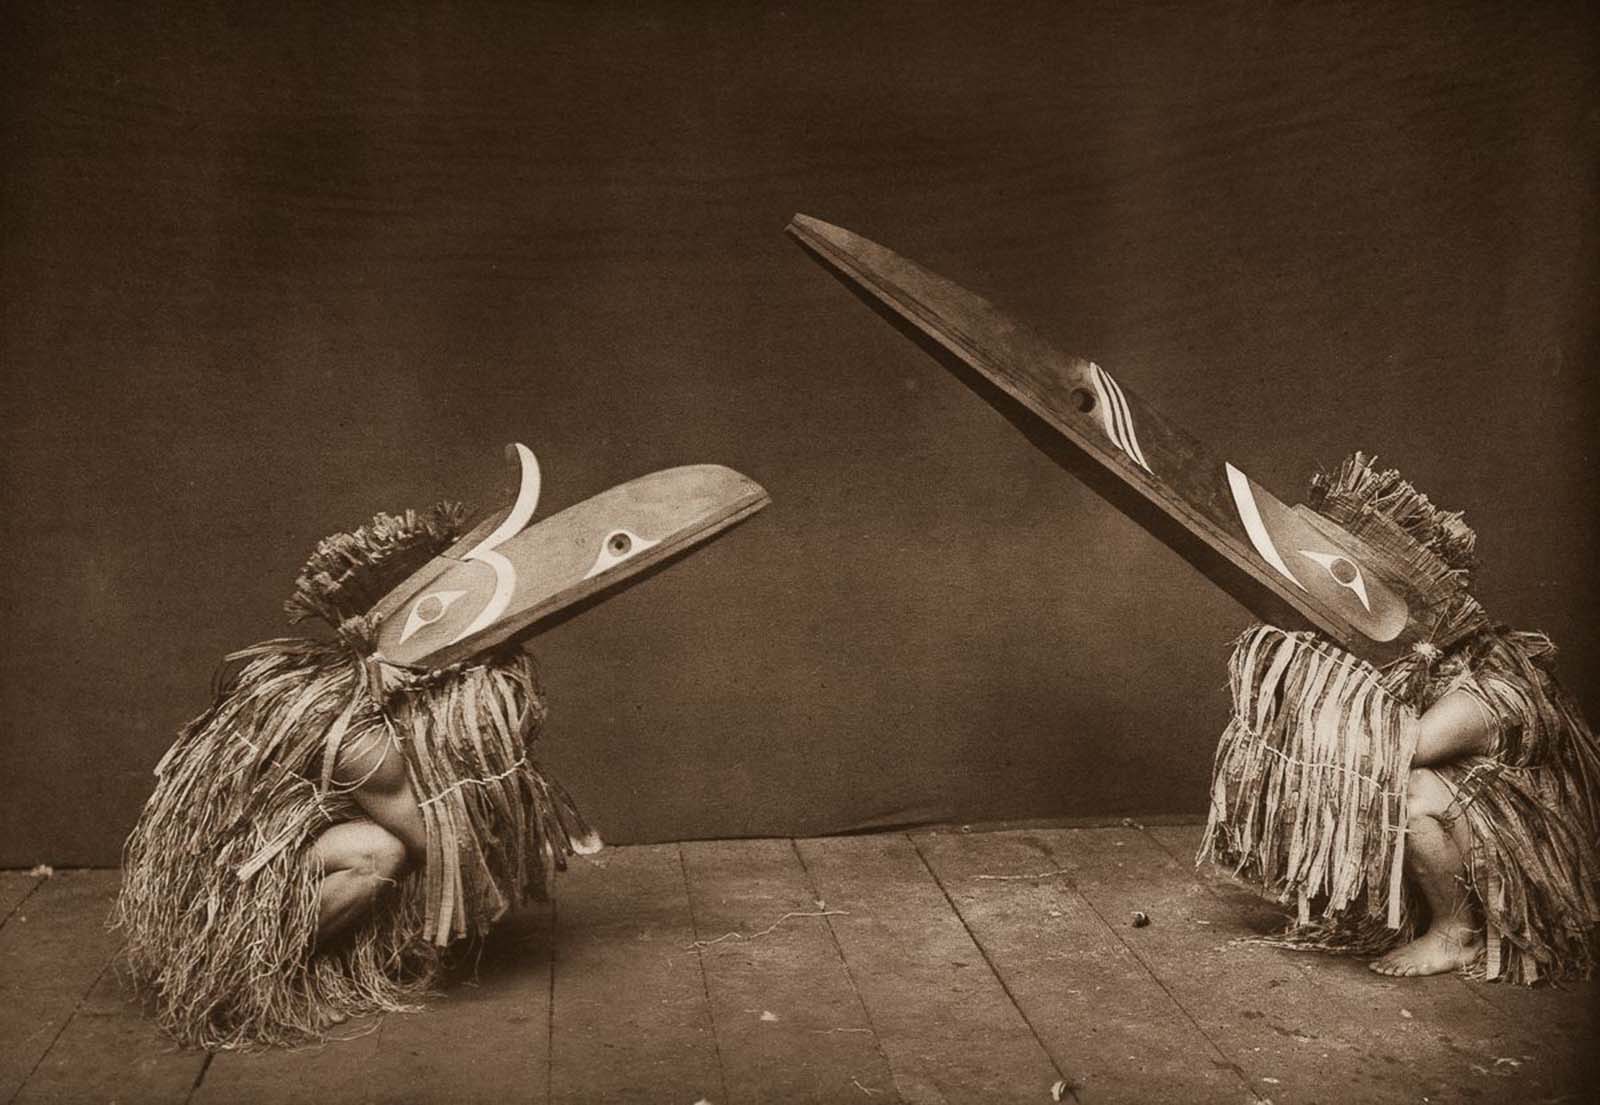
{"points": [[222, 877], [220, 893], [1309, 786]]}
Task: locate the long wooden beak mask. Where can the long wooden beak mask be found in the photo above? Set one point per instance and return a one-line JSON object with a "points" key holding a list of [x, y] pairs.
{"points": [[1276, 559], [509, 572]]}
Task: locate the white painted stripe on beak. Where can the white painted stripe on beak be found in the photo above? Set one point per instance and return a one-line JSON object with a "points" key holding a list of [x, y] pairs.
{"points": [[1250, 514], [1117, 416]]}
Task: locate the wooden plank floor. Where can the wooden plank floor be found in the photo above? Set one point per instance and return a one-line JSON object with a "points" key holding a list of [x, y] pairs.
{"points": [[933, 967]]}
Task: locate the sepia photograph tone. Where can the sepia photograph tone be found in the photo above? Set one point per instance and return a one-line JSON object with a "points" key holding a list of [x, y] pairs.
{"points": [[863, 553]]}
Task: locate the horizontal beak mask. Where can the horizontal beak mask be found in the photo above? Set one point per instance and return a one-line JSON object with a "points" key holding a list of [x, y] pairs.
{"points": [[510, 572]]}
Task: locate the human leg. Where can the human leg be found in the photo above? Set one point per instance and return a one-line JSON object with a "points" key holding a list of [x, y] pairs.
{"points": [[1457, 725], [377, 770], [361, 858], [1437, 845], [1437, 841]]}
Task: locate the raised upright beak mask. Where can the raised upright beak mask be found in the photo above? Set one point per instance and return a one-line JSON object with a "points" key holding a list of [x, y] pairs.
{"points": [[1285, 562], [510, 572]]}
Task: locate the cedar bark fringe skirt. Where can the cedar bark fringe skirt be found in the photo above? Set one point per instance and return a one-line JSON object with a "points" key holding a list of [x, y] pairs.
{"points": [[221, 886], [1308, 797]]}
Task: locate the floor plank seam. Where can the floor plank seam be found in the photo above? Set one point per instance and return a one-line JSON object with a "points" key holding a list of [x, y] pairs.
{"points": [[199, 1077], [988, 960], [550, 1004], [844, 961], [1238, 1071], [12, 912], [65, 1022], [700, 961], [1159, 843], [1475, 989]]}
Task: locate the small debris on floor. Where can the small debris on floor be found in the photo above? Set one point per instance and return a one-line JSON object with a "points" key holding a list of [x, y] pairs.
{"points": [[42, 871], [1058, 1091], [1140, 918], [769, 1015], [1040, 875], [1406, 1013], [699, 944]]}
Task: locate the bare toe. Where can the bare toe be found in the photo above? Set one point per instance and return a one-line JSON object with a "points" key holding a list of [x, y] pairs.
{"points": [[1442, 949]]}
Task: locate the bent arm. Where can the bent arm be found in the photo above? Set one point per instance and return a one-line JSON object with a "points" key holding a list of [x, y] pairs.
{"points": [[383, 790]]}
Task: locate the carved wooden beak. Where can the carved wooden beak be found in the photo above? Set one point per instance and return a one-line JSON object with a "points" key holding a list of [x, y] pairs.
{"points": [[508, 574]]}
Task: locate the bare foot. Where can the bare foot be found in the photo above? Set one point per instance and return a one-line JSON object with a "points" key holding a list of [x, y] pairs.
{"points": [[1442, 948]]}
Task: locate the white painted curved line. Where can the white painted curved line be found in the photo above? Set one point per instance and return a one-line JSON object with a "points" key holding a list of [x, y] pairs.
{"points": [[521, 510], [505, 573], [505, 582], [1116, 415], [1129, 439], [1108, 417], [1245, 501]]}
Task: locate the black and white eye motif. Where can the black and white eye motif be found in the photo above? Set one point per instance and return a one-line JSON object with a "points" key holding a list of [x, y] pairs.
{"points": [[427, 610], [618, 546], [1345, 572], [1383, 613]]}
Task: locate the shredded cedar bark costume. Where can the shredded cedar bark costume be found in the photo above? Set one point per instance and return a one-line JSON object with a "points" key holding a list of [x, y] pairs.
{"points": [[1309, 784], [220, 889]]}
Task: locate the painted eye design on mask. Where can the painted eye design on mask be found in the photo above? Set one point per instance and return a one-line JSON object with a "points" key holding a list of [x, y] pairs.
{"points": [[1345, 572], [427, 610], [618, 546]]}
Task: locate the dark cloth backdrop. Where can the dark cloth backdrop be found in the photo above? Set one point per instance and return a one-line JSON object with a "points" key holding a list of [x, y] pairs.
{"points": [[268, 269]]}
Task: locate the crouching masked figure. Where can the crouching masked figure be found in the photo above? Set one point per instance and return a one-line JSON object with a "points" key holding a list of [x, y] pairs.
{"points": [[350, 806], [1405, 765], [1442, 811]]}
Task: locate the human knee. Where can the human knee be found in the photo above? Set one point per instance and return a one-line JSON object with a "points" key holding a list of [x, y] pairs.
{"points": [[1427, 794], [381, 854]]}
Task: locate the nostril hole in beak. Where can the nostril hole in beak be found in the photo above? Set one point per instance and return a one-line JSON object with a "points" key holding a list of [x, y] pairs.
{"points": [[1082, 398]]}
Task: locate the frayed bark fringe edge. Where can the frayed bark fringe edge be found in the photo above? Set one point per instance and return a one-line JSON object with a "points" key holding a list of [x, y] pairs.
{"points": [[1308, 793], [1309, 785], [220, 887]]}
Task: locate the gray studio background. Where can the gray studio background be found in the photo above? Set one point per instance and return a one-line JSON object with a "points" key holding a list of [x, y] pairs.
{"points": [[268, 271]]}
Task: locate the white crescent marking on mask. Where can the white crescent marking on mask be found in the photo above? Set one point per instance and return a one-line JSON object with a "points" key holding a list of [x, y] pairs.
{"points": [[505, 574], [521, 510], [1250, 514]]}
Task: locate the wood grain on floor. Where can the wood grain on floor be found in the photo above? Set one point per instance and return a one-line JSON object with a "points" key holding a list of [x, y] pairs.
{"points": [[929, 968]]}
